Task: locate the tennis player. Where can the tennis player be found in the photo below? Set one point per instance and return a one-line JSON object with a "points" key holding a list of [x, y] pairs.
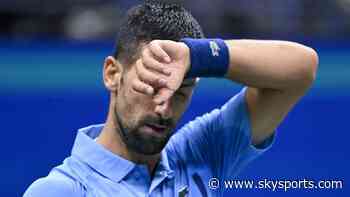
{"points": [[161, 53]]}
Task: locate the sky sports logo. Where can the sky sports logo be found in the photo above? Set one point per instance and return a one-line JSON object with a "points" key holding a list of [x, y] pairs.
{"points": [[276, 185]]}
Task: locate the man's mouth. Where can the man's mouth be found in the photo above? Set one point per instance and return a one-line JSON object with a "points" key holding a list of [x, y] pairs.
{"points": [[156, 127]]}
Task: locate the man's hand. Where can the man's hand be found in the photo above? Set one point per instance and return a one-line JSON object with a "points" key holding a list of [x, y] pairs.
{"points": [[163, 65]]}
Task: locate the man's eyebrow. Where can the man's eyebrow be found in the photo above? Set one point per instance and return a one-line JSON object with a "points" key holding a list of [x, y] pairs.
{"points": [[183, 85]]}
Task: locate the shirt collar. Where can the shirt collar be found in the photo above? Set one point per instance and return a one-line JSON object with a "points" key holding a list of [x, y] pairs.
{"points": [[110, 165], [164, 163]]}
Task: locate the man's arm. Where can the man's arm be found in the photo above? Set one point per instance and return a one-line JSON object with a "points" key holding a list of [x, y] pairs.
{"points": [[278, 73]]}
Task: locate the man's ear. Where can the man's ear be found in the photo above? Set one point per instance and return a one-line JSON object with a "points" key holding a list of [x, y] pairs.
{"points": [[112, 71]]}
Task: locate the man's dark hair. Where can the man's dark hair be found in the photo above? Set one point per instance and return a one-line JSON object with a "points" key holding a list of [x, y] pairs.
{"points": [[150, 21]]}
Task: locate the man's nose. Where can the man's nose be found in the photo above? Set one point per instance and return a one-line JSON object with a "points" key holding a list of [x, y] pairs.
{"points": [[165, 109]]}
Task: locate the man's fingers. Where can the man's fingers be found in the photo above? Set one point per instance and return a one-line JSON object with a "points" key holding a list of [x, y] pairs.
{"points": [[150, 63], [142, 88], [157, 51], [148, 76]]}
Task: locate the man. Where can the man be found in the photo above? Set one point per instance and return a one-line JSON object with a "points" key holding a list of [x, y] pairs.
{"points": [[151, 80]]}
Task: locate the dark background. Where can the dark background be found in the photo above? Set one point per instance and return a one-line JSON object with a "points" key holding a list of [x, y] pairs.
{"points": [[51, 55]]}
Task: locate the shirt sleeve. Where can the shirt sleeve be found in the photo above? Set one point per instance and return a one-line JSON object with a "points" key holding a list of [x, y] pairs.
{"points": [[52, 187], [220, 139]]}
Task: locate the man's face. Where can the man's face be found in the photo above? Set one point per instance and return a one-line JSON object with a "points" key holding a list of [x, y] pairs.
{"points": [[142, 129]]}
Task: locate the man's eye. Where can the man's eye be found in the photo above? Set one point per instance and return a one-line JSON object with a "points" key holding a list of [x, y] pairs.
{"points": [[181, 94]]}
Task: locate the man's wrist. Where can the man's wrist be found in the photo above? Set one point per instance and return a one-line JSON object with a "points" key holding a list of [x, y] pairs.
{"points": [[187, 57], [208, 57]]}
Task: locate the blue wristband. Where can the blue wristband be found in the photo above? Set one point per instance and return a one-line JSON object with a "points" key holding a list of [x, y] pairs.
{"points": [[209, 57]]}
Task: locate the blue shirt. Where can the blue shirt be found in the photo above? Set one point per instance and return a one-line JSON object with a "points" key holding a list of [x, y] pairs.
{"points": [[215, 145]]}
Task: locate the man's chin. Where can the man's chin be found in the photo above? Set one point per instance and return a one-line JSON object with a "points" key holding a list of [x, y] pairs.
{"points": [[148, 142], [150, 148]]}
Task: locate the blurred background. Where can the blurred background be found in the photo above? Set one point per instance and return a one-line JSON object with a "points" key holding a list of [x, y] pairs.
{"points": [[51, 55]]}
